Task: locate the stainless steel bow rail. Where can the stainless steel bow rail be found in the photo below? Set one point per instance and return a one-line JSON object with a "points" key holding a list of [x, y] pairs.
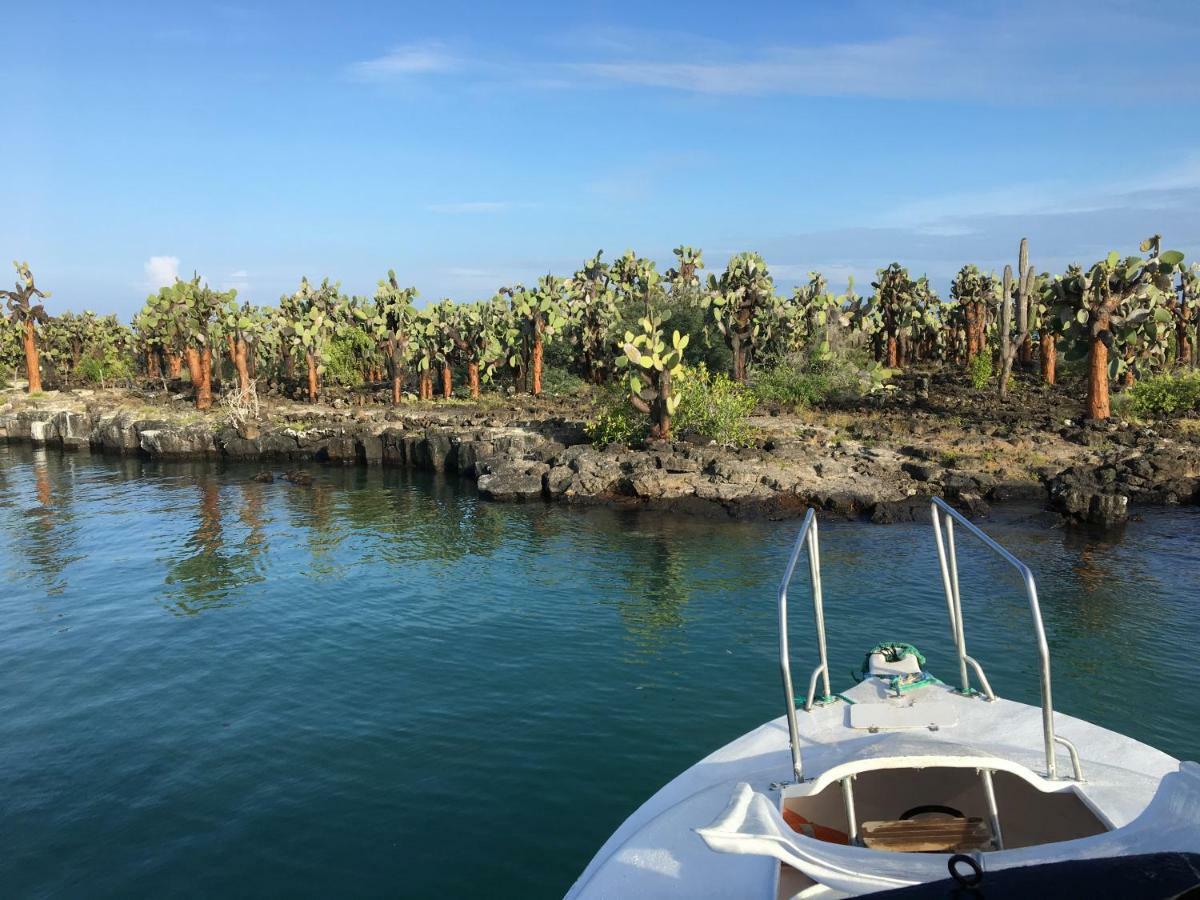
{"points": [[944, 518], [808, 534]]}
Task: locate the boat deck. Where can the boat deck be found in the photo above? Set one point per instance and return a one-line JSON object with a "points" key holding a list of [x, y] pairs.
{"points": [[657, 853]]}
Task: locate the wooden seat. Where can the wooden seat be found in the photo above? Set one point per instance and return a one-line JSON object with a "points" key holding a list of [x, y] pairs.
{"points": [[941, 834]]}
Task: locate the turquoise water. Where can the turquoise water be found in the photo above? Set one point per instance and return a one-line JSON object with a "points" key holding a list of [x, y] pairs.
{"points": [[379, 685]]}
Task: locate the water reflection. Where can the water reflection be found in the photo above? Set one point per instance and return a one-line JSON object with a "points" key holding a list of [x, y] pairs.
{"points": [[44, 534], [208, 574]]}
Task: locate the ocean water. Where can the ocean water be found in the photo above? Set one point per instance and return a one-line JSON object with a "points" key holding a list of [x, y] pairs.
{"points": [[379, 685]]}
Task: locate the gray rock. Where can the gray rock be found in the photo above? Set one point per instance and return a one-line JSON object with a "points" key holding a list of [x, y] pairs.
{"points": [[919, 472], [514, 481], [558, 480], [370, 448]]}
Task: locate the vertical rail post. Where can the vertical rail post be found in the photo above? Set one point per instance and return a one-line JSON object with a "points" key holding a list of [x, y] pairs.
{"points": [[851, 814], [960, 641], [949, 568], [989, 792], [785, 669], [814, 570]]}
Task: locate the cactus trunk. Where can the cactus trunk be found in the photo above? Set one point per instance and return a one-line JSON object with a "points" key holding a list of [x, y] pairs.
{"points": [[473, 379], [32, 371], [311, 359], [195, 371], [153, 366], [447, 384], [893, 352], [397, 388], [1097, 397], [1049, 355], [660, 418], [174, 366], [243, 369], [537, 363], [204, 391]]}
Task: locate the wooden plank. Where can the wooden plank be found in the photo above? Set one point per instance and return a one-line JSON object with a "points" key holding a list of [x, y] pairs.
{"points": [[939, 835]]}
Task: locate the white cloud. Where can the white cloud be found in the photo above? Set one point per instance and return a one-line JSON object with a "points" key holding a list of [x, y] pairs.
{"points": [[426, 58], [999, 53], [161, 271], [238, 280]]}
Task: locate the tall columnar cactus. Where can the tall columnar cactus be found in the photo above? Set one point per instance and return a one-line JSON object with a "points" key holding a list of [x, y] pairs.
{"points": [[391, 324], [28, 315], [736, 301], [1010, 344]]}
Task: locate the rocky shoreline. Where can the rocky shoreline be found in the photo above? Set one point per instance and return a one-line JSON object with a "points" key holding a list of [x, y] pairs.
{"points": [[518, 453]]}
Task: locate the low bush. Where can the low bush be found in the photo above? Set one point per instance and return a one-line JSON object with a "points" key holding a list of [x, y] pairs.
{"points": [[342, 359], [714, 406], [1164, 395], [711, 406], [561, 382], [618, 423], [979, 370], [104, 370], [806, 382]]}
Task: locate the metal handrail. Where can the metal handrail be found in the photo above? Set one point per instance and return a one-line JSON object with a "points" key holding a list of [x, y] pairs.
{"points": [[808, 534], [948, 561]]}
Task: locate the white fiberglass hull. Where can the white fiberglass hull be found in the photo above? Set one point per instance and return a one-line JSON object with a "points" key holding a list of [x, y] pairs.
{"points": [[657, 852]]}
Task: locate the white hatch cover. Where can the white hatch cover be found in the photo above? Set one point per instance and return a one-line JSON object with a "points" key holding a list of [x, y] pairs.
{"points": [[935, 713]]}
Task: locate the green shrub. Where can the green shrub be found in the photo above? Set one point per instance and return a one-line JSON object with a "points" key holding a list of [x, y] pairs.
{"points": [[805, 381], [561, 382], [93, 369], [1165, 395], [979, 370], [714, 406], [619, 423], [342, 358], [787, 386]]}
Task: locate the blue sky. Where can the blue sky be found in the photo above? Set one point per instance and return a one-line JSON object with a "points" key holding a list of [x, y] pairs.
{"points": [[470, 145]]}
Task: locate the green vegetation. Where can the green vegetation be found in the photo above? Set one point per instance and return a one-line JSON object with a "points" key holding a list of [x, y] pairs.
{"points": [[979, 370], [802, 382], [710, 405], [1165, 395], [625, 326], [714, 406]]}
